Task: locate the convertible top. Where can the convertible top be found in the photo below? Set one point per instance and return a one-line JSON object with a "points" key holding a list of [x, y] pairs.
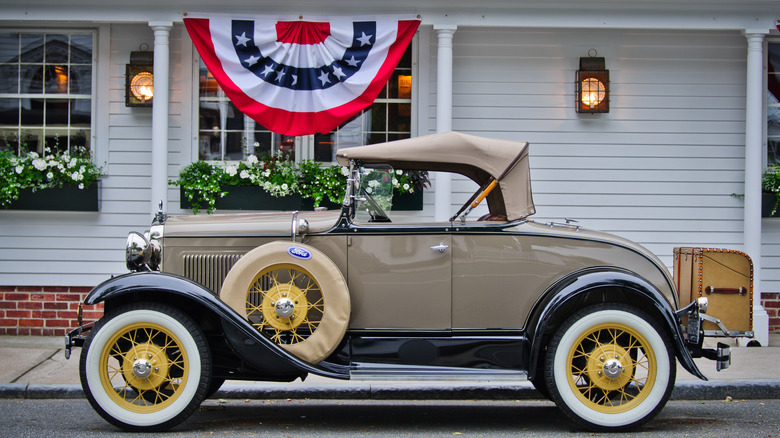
{"points": [[478, 158]]}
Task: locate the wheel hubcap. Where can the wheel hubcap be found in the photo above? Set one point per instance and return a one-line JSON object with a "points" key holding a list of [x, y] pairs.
{"points": [[285, 307], [613, 368], [142, 368]]}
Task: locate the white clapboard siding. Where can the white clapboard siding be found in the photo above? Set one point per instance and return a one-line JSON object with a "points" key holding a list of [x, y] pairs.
{"points": [[83, 249], [661, 168]]}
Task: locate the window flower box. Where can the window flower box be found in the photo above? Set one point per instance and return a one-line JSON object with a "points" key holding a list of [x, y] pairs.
{"points": [[65, 198]]}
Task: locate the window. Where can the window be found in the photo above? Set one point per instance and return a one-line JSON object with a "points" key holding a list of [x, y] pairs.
{"points": [[45, 90], [224, 133], [773, 104]]}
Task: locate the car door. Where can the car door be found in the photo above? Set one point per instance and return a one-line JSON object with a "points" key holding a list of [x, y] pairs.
{"points": [[399, 278]]}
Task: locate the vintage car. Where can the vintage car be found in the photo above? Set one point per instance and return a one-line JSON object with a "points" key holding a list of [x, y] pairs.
{"points": [[592, 320]]}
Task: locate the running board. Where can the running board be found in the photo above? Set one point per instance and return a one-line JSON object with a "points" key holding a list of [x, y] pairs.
{"points": [[371, 371]]}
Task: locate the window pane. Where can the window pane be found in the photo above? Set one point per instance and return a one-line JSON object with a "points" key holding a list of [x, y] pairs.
{"points": [[261, 144], [378, 114], [32, 112], [56, 48], [209, 147], [32, 47], [9, 48], [208, 85], [56, 79], [9, 140], [399, 117], [80, 113], [32, 141], [9, 78], [56, 139], [773, 104], [234, 148], [235, 118], [9, 112], [56, 112], [209, 115], [81, 79], [79, 139], [81, 49], [31, 79]]}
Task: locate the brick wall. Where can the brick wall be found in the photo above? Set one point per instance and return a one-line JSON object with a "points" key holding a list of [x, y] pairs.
{"points": [[771, 303], [43, 311]]}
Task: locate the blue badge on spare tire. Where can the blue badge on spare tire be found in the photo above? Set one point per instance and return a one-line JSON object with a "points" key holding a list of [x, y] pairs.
{"points": [[299, 253]]}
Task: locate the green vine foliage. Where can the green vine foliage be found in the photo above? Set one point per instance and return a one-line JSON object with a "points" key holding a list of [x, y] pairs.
{"points": [[771, 183], [50, 170]]}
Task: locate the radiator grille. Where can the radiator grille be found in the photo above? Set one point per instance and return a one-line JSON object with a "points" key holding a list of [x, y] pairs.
{"points": [[209, 270]]}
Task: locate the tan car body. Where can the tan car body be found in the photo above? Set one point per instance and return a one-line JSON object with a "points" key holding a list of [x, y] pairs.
{"points": [[490, 276]]}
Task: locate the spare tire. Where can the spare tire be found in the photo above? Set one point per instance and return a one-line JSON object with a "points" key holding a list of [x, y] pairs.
{"points": [[293, 293]]}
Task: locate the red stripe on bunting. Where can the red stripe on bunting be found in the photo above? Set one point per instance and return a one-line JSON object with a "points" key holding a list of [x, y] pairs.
{"points": [[302, 32]]}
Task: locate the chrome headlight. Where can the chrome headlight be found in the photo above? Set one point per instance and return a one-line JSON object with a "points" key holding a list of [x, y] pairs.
{"points": [[144, 251], [137, 252]]}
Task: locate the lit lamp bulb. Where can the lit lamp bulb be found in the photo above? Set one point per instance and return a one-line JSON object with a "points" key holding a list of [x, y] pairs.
{"points": [[593, 92], [142, 86]]}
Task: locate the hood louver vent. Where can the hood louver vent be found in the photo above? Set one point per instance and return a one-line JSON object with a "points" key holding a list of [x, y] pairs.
{"points": [[209, 270]]}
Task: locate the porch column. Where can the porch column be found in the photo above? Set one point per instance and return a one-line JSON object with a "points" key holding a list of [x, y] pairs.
{"points": [[754, 152], [442, 203], [162, 30]]}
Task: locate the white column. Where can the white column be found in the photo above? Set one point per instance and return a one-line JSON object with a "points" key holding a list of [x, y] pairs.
{"points": [[754, 150], [159, 193], [442, 202]]}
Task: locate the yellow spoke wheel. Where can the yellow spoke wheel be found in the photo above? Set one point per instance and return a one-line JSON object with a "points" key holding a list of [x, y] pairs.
{"points": [[145, 367], [287, 300], [611, 380], [609, 367]]}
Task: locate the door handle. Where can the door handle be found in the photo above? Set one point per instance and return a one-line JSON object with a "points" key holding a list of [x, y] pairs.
{"points": [[440, 247]]}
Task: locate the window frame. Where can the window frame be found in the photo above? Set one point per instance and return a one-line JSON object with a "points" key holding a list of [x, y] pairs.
{"points": [[91, 133]]}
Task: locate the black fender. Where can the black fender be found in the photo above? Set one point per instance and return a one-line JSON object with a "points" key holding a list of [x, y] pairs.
{"points": [[244, 339], [576, 287]]}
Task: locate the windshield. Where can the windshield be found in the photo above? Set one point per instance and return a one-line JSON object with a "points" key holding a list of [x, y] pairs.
{"points": [[375, 196]]}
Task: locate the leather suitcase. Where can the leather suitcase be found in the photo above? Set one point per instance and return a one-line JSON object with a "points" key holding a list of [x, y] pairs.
{"points": [[722, 275]]}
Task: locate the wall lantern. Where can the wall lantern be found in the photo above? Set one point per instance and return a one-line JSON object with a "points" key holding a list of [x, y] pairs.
{"points": [[139, 79], [592, 85]]}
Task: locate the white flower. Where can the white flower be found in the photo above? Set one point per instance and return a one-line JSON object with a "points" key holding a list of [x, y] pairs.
{"points": [[231, 170], [252, 159], [19, 169], [345, 170], [39, 164], [256, 144], [82, 169], [244, 174], [81, 186], [49, 175], [284, 186], [399, 172], [369, 190], [32, 154], [267, 173], [373, 183], [395, 182], [406, 186], [77, 176], [72, 163]]}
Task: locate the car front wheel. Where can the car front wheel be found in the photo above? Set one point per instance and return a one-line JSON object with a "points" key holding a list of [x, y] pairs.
{"points": [[145, 367], [610, 368]]}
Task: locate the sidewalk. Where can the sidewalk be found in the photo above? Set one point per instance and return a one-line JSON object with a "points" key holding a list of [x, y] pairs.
{"points": [[35, 367]]}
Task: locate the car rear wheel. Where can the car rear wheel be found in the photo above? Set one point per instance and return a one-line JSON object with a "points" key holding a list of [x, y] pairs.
{"points": [[609, 368], [294, 294], [145, 367]]}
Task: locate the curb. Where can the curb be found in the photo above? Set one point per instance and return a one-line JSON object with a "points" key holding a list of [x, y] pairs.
{"points": [[683, 390]]}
